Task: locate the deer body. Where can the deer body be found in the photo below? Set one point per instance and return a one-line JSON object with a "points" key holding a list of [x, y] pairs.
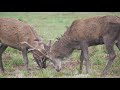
{"points": [[85, 33], [18, 35]]}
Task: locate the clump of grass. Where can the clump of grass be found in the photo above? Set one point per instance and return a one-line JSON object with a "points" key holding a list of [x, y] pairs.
{"points": [[15, 61], [2, 76]]}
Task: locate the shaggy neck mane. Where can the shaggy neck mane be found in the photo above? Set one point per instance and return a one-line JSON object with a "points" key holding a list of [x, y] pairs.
{"points": [[62, 47]]}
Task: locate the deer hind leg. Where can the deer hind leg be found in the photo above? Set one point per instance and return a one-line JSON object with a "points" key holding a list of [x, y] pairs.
{"points": [[109, 43], [2, 49]]}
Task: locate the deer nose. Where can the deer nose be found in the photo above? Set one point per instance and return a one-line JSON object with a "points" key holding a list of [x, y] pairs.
{"points": [[58, 70]]}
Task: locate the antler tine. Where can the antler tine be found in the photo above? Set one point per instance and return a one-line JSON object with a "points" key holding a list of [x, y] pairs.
{"points": [[32, 48]]}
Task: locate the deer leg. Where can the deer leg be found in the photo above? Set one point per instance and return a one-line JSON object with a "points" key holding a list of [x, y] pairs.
{"points": [[84, 47], [24, 53], [109, 47], [118, 44], [2, 49], [81, 61]]}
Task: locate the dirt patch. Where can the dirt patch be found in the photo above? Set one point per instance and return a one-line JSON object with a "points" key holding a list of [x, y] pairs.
{"points": [[70, 64]]}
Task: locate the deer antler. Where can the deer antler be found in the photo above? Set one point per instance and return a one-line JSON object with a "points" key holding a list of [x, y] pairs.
{"points": [[32, 48]]}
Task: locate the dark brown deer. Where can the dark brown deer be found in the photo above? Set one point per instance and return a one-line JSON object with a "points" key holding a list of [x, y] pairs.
{"points": [[21, 36], [84, 33]]}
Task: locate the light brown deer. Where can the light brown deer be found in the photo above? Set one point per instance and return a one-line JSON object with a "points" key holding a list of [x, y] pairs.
{"points": [[21, 36], [85, 33]]}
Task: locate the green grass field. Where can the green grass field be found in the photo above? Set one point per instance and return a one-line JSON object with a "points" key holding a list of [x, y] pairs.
{"points": [[51, 25]]}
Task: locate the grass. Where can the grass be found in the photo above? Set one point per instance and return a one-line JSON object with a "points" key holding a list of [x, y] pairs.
{"points": [[51, 25]]}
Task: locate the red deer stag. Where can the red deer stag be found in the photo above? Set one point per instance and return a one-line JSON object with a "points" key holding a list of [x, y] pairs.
{"points": [[84, 33], [21, 36]]}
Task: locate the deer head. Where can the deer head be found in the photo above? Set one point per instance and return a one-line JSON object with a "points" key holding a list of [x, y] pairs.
{"points": [[39, 52]]}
